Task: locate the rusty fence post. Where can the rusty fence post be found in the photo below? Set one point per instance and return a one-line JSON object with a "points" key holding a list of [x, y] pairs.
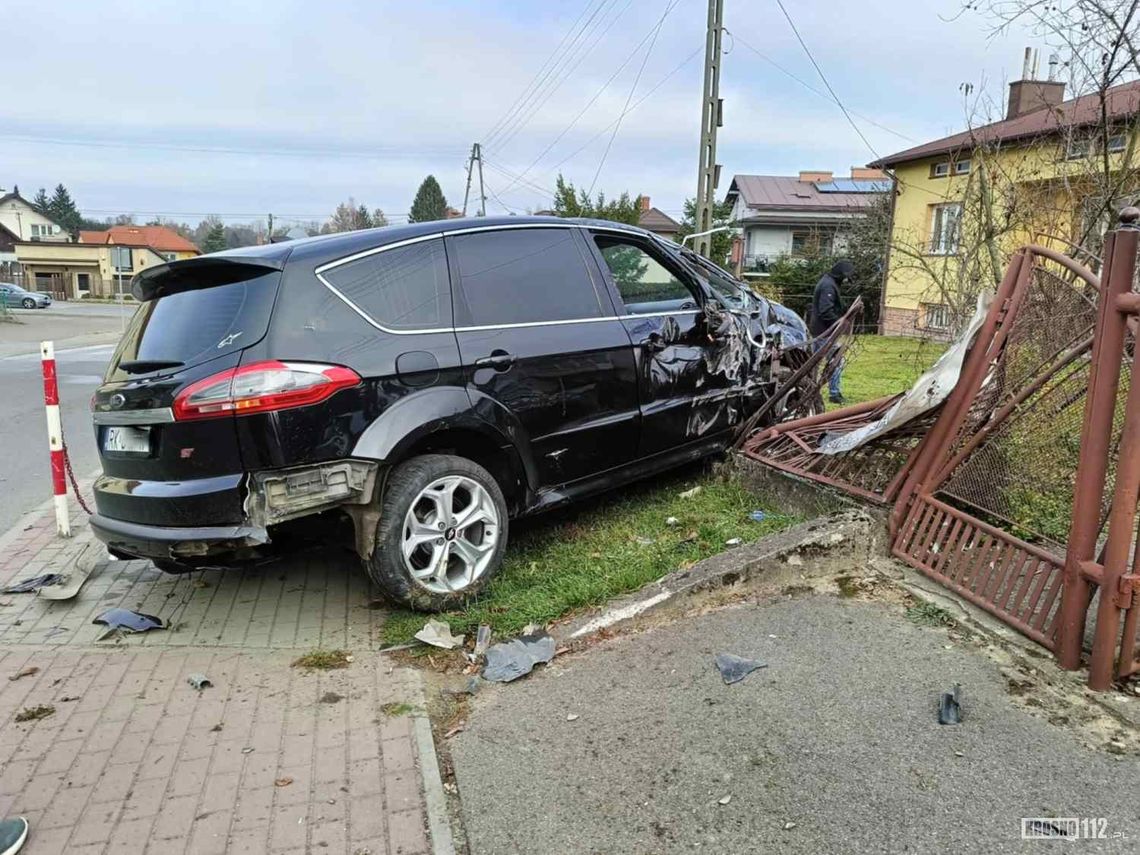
{"points": [[1096, 438]]}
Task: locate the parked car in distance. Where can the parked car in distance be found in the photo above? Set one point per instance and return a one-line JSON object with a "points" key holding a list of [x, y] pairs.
{"points": [[428, 383], [14, 296]]}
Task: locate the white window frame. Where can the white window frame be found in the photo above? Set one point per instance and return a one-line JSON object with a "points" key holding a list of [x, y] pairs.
{"points": [[962, 167], [940, 169], [936, 316], [943, 242], [1114, 147], [1078, 147]]}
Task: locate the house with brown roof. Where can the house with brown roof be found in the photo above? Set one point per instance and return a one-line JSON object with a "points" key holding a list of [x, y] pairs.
{"points": [[101, 263], [798, 215], [1036, 175], [655, 220]]}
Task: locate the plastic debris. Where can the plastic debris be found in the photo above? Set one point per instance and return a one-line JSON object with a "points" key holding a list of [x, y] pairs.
{"points": [[723, 801], [69, 583], [643, 541], [482, 639], [788, 826], [24, 672], [672, 521], [758, 516], [949, 708], [572, 716], [736, 668], [688, 494], [199, 681], [130, 621], [26, 586], [733, 541], [438, 634], [517, 657]]}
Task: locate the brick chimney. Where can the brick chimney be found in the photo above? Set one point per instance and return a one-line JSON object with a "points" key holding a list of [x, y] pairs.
{"points": [[1028, 95], [643, 204], [815, 175], [862, 173]]}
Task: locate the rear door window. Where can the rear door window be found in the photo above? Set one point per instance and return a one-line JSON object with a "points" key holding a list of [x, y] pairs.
{"points": [[405, 288], [521, 276], [645, 284], [191, 326]]}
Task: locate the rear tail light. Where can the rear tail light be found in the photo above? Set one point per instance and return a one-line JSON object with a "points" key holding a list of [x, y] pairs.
{"points": [[260, 388]]}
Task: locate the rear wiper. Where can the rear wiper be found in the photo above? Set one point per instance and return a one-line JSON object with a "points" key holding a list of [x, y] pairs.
{"points": [[142, 366]]}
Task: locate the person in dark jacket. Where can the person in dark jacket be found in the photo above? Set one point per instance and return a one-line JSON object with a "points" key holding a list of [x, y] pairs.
{"points": [[826, 309]]}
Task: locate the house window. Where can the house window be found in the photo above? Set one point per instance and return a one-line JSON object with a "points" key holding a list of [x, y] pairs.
{"points": [[940, 169], [170, 256], [811, 243], [944, 228], [936, 316], [1078, 148], [1117, 142], [41, 231], [121, 258], [962, 167]]}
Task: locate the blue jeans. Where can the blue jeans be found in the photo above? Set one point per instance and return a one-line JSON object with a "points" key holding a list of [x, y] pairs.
{"points": [[833, 390]]}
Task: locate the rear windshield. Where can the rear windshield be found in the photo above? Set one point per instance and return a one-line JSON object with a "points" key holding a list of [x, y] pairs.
{"points": [[192, 326]]}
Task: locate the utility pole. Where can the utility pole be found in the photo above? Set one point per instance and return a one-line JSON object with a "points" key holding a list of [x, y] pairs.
{"points": [[708, 174], [269, 237], [476, 155]]}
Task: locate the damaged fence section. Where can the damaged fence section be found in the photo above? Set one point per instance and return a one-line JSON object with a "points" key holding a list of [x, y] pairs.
{"points": [[1012, 467]]}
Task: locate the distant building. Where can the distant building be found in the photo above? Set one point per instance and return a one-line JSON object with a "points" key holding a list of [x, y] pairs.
{"points": [[102, 263], [657, 221], [20, 218], [798, 215]]}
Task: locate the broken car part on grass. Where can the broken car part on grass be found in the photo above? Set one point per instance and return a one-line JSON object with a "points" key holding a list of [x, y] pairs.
{"points": [[438, 634]]}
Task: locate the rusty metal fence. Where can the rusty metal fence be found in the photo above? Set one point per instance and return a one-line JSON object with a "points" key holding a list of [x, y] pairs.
{"points": [[1003, 493]]}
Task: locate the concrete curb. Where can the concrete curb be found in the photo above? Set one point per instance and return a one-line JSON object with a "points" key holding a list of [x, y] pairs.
{"points": [[435, 802], [844, 537]]}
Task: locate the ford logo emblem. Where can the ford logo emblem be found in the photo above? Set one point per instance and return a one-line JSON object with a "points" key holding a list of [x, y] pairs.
{"points": [[117, 401]]}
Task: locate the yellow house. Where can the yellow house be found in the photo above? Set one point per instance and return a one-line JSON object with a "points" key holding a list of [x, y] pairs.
{"points": [[962, 203], [102, 263]]}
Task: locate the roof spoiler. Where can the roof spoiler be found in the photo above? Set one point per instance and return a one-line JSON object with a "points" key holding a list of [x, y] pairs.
{"points": [[204, 271]]}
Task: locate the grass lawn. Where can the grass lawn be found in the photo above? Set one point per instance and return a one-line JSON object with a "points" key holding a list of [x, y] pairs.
{"points": [[883, 365], [582, 556]]}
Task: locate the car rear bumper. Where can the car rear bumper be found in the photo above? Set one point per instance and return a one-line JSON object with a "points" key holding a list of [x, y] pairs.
{"points": [[190, 545]]}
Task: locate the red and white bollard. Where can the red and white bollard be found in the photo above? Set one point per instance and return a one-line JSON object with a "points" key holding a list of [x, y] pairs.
{"points": [[55, 439]]}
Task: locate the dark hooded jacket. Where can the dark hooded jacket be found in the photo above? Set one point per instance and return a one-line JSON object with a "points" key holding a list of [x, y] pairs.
{"points": [[826, 305]]}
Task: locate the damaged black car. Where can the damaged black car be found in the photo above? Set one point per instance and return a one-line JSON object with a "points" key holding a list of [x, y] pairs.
{"points": [[419, 387]]}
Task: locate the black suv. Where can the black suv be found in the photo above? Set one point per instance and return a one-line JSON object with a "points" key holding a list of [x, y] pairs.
{"points": [[429, 381]]}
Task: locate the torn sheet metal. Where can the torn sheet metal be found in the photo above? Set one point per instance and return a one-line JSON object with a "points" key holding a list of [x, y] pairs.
{"points": [[930, 390], [516, 658], [129, 621], [26, 586]]}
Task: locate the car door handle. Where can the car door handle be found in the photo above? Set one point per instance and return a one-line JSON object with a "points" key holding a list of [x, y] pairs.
{"points": [[499, 360]]}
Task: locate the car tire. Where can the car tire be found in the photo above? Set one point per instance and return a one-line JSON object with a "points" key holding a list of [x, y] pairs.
{"points": [[28, 303], [430, 564]]}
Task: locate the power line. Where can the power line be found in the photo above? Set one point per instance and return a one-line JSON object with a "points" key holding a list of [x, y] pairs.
{"points": [[556, 84], [554, 77], [629, 97], [587, 106], [823, 77], [811, 88]]}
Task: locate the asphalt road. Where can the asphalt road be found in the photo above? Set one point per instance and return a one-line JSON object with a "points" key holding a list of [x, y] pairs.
{"points": [[84, 342], [78, 309], [834, 747]]}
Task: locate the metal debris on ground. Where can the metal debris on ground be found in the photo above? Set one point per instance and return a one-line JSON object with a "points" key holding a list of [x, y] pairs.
{"points": [[129, 621], [733, 541], [438, 634], [517, 657], [949, 708], [688, 494], [672, 521], [26, 586], [572, 716], [736, 668], [758, 516], [69, 583], [724, 800], [24, 672], [199, 681]]}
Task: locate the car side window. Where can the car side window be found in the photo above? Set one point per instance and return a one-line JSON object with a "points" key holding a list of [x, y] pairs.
{"points": [[518, 276], [405, 288], [645, 284]]}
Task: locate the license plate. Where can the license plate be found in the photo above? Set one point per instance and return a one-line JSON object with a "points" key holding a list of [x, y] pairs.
{"points": [[127, 440]]}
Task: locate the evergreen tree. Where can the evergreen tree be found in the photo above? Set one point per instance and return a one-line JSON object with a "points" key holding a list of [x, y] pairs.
{"points": [[378, 219], [41, 202], [61, 208], [215, 239], [429, 203]]}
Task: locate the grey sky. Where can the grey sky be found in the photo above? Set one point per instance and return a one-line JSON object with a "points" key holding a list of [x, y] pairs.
{"points": [[127, 103]]}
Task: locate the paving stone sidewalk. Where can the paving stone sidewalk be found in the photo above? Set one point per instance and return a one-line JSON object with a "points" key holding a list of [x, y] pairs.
{"points": [[269, 758]]}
